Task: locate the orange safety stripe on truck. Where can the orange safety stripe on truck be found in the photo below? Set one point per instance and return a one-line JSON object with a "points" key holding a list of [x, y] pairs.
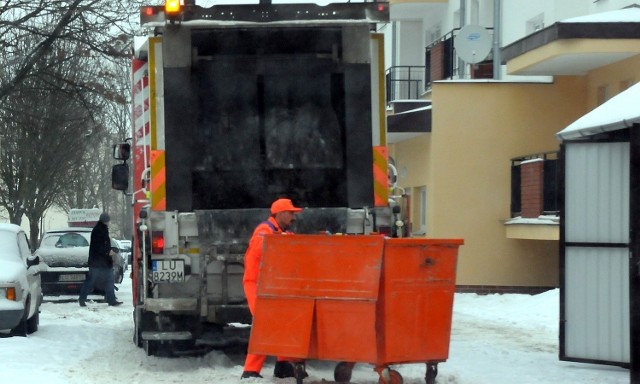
{"points": [[158, 181], [155, 50], [380, 177], [378, 39]]}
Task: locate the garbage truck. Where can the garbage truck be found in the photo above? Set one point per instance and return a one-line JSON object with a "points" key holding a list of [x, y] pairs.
{"points": [[235, 106]]}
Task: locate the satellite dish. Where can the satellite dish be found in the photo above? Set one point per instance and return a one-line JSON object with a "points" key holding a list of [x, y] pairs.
{"points": [[472, 43]]}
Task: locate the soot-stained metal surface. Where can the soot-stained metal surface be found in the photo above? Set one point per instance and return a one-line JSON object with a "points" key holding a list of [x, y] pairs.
{"points": [[229, 230], [268, 117], [321, 220]]}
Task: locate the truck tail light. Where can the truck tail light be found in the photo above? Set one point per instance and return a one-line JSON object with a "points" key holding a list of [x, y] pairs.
{"points": [[148, 11], [172, 7], [157, 243]]}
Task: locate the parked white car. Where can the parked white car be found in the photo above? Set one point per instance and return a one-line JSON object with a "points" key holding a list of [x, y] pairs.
{"points": [[125, 251], [119, 260], [20, 288]]}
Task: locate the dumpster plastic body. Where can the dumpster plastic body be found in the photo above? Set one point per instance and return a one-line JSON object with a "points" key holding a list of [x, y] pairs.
{"points": [[362, 298]]}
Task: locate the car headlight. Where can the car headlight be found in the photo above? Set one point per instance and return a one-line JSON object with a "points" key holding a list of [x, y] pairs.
{"points": [[8, 293]]}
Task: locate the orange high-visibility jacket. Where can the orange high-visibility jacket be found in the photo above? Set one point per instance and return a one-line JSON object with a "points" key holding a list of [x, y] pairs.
{"points": [[254, 252]]}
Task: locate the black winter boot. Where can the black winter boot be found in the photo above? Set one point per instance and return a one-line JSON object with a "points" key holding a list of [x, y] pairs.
{"points": [[248, 374], [283, 369]]}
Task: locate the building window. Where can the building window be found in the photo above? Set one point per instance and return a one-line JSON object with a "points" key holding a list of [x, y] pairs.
{"points": [[522, 187]]}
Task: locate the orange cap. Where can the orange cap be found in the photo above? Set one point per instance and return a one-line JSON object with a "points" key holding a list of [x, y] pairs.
{"points": [[283, 205]]}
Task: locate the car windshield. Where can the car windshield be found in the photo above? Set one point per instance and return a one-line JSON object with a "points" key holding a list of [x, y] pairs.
{"points": [[8, 244], [66, 240]]}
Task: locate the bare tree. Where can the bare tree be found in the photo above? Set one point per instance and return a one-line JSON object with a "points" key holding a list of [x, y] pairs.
{"points": [[103, 27], [61, 79], [48, 122], [91, 185]]}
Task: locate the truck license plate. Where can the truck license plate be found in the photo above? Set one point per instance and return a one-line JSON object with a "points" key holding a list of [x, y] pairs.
{"points": [[167, 271]]}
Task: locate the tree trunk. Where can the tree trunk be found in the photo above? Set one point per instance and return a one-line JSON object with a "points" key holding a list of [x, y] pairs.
{"points": [[34, 233], [15, 216]]}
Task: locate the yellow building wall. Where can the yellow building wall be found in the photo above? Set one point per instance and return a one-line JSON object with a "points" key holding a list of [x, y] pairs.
{"points": [[465, 164], [412, 159], [615, 77]]}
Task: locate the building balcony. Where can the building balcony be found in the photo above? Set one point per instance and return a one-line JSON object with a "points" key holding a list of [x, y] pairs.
{"points": [[443, 62], [575, 46], [411, 82], [405, 82]]}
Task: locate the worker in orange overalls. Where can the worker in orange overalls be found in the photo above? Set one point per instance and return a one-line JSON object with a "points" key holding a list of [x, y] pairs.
{"points": [[282, 216]]}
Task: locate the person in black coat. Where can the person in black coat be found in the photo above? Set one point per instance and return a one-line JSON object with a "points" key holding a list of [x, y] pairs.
{"points": [[100, 263]]}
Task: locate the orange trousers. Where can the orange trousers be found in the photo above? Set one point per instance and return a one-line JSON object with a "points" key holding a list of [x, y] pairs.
{"points": [[253, 362]]}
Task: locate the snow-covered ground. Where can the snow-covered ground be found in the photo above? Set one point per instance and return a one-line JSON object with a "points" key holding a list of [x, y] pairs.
{"points": [[496, 339]]}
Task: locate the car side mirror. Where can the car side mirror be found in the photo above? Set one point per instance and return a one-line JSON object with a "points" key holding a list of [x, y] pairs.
{"points": [[120, 177], [122, 151], [115, 249]]}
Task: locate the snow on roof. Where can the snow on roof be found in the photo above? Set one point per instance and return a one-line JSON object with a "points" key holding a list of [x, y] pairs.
{"points": [[625, 15], [621, 111]]}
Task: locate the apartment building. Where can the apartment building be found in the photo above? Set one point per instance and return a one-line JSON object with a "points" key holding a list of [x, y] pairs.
{"points": [[473, 134]]}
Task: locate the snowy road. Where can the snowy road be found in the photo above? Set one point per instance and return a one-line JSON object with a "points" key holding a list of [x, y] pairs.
{"points": [[495, 339]]}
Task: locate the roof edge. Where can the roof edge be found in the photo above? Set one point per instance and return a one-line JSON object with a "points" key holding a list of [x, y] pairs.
{"points": [[586, 132], [564, 31]]}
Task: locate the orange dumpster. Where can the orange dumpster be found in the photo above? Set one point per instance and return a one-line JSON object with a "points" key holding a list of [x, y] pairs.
{"points": [[356, 299]]}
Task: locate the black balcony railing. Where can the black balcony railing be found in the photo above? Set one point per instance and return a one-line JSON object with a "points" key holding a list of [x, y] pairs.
{"points": [[442, 62], [551, 179], [405, 82], [409, 82]]}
